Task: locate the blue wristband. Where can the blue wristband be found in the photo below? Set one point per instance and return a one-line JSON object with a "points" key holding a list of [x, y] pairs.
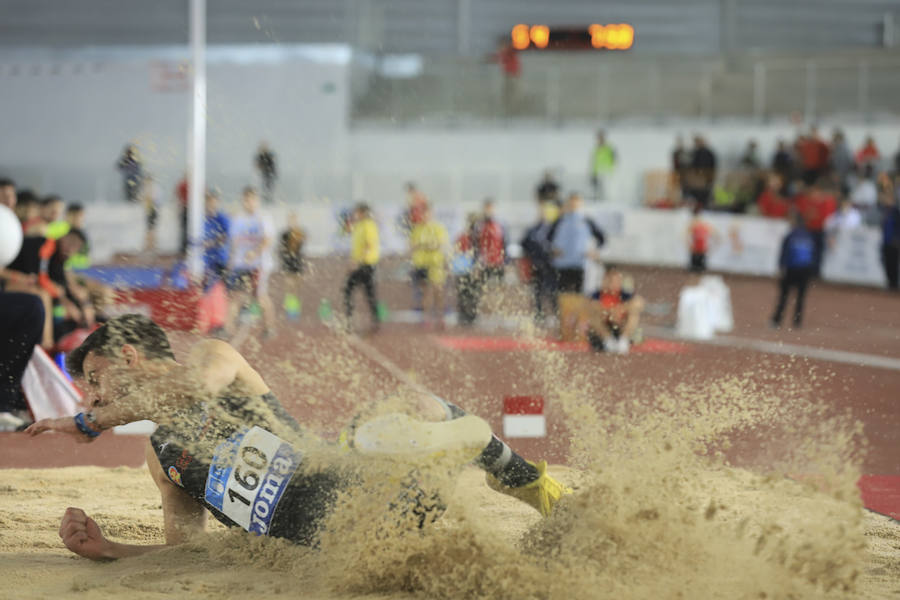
{"points": [[83, 427]]}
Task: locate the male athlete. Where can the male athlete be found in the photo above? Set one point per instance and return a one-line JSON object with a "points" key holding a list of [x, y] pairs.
{"points": [[220, 444]]}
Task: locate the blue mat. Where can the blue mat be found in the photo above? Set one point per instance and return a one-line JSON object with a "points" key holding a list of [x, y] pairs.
{"points": [[128, 277]]}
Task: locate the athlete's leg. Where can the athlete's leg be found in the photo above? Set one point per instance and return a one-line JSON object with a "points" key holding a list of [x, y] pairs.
{"points": [[265, 301]]}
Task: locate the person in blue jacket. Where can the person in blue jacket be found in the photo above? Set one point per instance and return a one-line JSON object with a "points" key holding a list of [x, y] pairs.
{"points": [[796, 265]]}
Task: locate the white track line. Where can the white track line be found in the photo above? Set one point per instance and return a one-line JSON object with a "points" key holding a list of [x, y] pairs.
{"points": [[385, 363], [839, 356]]}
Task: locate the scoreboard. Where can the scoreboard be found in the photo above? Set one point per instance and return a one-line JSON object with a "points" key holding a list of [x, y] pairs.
{"points": [[618, 36]]}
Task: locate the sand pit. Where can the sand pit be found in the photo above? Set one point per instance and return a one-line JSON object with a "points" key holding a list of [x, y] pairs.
{"points": [[486, 526]]}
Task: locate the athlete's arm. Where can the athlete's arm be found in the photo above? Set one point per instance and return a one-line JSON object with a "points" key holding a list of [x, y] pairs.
{"points": [[183, 518]]}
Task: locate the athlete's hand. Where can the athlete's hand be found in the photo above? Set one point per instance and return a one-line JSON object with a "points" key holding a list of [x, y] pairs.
{"points": [[62, 425], [82, 535]]}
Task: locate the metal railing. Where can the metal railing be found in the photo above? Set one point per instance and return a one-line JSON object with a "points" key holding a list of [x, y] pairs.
{"points": [[567, 87]]}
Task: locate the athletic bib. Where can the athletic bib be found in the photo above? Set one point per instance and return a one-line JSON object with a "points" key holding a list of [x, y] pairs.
{"points": [[248, 475]]}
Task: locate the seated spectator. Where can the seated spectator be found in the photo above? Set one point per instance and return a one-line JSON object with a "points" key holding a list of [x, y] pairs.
{"points": [[75, 220], [771, 201], [52, 215], [8, 196], [783, 163], [842, 163], [750, 158], [612, 314], [868, 155], [28, 209]]}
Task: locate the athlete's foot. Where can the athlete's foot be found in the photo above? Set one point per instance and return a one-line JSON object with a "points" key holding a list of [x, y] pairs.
{"points": [[397, 434], [542, 494]]}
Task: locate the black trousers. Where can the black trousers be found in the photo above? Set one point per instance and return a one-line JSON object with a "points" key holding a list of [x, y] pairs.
{"points": [[570, 281], [543, 287], [21, 327], [363, 275], [890, 259], [793, 278]]}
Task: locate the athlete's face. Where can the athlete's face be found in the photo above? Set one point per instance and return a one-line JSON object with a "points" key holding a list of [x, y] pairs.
{"points": [[107, 378]]}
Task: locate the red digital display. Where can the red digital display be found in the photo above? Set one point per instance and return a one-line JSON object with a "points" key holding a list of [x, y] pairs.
{"points": [[618, 36]]}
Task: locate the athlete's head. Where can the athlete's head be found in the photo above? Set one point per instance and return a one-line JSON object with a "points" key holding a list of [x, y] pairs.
{"points": [[120, 346]]}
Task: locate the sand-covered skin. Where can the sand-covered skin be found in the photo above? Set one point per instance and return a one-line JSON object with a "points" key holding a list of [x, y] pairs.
{"points": [[34, 564]]}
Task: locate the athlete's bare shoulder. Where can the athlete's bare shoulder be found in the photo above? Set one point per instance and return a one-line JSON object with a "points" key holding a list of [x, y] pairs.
{"points": [[223, 366]]}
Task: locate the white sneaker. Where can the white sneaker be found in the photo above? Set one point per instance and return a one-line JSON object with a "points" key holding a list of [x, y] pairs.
{"points": [[623, 345], [10, 422]]}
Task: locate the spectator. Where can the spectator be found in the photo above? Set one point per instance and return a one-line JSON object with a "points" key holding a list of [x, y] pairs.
{"points": [[846, 218], [603, 162], [508, 59], [548, 188], [365, 252], [896, 167], [681, 163], [132, 172], [252, 234], [772, 202], [51, 214], [428, 242], [783, 163], [796, 265], [613, 314], [842, 164], [28, 209], [536, 248], [864, 192], [814, 156], [490, 248], [268, 174], [293, 265], [890, 240], [868, 155], [181, 194], [75, 220], [699, 233], [570, 243], [750, 158], [703, 172], [21, 323], [150, 197], [465, 272], [8, 194], [216, 242]]}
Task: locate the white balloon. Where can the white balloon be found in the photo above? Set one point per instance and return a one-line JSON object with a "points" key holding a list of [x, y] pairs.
{"points": [[10, 236]]}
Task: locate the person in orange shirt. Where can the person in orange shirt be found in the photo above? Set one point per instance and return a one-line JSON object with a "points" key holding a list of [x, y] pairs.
{"points": [[699, 234], [868, 154]]}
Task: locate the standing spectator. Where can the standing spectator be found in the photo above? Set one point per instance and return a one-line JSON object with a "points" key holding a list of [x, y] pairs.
{"points": [[890, 240], [603, 161], [570, 239], [796, 265], [813, 154], [896, 165], [268, 174], [548, 188], [508, 59], [151, 199], [750, 158], [841, 159], [536, 248], [365, 252], [490, 244], [700, 231], [132, 172], [8, 196], [868, 155], [216, 243], [846, 218], [864, 191], [293, 265], [181, 194], [465, 272], [681, 164], [428, 242], [251, 234], [783, 163], [703, 171]]}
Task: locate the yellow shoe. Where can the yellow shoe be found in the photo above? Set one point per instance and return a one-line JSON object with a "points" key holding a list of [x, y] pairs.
{"points": [[542, 494]]}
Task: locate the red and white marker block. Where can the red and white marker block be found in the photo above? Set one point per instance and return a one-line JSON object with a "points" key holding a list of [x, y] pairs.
{"points": [[523, 417]]}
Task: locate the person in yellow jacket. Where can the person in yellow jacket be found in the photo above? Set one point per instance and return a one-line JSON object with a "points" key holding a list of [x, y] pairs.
{"points": [[365, 252], [429, 244], [603, 161]]}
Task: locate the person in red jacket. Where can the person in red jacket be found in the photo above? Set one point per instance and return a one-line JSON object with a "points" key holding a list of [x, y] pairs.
{"points": [[491, 244], [868, 154], [815, 206], [771, 202]]}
